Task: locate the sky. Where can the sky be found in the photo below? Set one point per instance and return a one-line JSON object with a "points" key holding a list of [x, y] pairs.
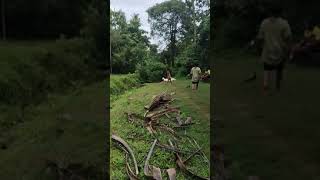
{"points": [[130, 7]]}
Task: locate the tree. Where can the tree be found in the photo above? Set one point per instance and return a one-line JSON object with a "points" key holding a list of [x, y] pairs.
{"points": [[3, 20], [129, 43], [194, 45], [166, 21], [95, 32], [118, 20]]}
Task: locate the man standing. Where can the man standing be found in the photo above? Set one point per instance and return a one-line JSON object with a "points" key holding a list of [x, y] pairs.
{"points": [[195, 73], [275, 34]]}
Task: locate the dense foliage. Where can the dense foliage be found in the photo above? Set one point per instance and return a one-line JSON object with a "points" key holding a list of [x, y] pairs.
{"points": [[50, 20], [30, 72], [44, 18], [121, 83], [50, 47], [182, 26]]}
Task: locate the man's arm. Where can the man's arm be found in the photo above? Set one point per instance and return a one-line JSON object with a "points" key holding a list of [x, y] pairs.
{"points": [[287, 36]]}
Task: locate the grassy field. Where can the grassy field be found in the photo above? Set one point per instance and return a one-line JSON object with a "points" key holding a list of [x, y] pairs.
{"points": [[67, 130], [196, 105], [274, 137]]}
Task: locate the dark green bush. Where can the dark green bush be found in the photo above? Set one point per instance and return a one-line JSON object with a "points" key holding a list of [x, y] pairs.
{"points": [[122, 83], [28, 79], [151, 71]]}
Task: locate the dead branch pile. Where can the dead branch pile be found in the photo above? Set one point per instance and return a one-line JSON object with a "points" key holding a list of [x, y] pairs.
{"points": [[159, 108]]}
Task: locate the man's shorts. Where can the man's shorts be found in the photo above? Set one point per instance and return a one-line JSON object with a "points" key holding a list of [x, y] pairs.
{"points": [[195, 82], [271, 67]]}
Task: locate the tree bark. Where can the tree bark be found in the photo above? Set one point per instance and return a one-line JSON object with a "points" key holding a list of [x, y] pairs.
{"points": [[3, 20], [194, 22]]}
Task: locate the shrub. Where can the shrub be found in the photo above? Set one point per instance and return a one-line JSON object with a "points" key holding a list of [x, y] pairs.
{"points": [[27, 79], [122, 83], [150, 71]]}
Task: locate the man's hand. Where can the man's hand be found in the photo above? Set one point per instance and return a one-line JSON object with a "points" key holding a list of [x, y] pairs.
{"points": [[252, 42]]}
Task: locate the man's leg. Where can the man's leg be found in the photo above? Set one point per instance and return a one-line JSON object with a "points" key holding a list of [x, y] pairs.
{"points": [[269, 76], [279, 76], [197, 85], [266, 79]]}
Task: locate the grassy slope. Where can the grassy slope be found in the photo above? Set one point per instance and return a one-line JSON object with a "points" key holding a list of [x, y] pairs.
{"points": [[121, 83], [274, 137], [196, 105], [30, 143]]}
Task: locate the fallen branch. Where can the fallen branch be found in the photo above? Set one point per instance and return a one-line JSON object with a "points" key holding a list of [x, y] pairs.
{"points": [[161, 113], [159, 100], [128, 149], [178, 118], [168, 129], [194, 153], [183, 167], [183, 126], [130, 173], [203, 154], [146, 168], [175, 150], [132, 116]]}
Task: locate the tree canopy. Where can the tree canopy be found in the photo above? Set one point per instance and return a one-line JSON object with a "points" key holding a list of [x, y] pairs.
{"points": [[183, 28], [43, 19]]}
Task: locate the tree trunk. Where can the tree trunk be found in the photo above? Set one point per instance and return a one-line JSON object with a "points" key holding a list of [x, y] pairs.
{"points": [[173, 47], [3, 20], [194, 22], [172, 37], [110, 62]]}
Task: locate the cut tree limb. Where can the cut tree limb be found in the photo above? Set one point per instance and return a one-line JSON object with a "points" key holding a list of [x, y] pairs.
{"points": [[159, 100], [130, 173], [183, 167], [175, 150], [129, 150], [146, 168], [203, 154]]}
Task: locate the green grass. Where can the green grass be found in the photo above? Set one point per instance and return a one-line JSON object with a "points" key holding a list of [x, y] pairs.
{"points": [[274, 137], [30, 143], [121, 83], [196, 105]]}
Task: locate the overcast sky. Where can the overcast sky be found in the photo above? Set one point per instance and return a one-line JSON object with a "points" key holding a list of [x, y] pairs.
{"points": [[130, 7]]}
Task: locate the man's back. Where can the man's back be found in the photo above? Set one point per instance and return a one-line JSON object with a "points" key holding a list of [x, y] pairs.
{"points": [[195, 71], [275, 32]]}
